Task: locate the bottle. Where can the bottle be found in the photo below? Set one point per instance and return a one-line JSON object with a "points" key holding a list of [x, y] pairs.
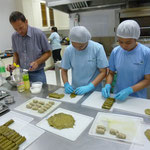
{"points": [[2, 72], [19, 80], [17, 72], [25, 77]]}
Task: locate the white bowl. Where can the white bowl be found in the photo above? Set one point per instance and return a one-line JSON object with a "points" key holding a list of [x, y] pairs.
{"points": [[37, 85], [35, 90]]}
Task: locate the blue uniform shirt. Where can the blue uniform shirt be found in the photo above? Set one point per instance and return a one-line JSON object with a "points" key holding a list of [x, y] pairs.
{"points": [[131, 66], [55, 41], [30, 47], [85, 64]]}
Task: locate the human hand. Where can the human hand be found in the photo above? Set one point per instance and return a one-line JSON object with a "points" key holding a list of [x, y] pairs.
{"points": [[68, 88], [10, 67], [106, 91], [84, 89], [123, 94], [33, 66]]}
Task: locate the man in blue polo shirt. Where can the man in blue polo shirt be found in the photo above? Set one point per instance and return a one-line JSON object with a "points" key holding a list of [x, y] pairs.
{"points": [[30, 46]]}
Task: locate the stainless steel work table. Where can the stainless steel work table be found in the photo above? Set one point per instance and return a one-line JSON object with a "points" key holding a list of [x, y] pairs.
{"points": [[54, 142]]}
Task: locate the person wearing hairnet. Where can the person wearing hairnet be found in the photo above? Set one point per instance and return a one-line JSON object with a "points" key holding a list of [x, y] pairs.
{"points": [[86, 59], [131, 61]]}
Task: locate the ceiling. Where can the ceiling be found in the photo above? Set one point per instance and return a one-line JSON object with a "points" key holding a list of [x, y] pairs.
{"points": [[72, 6]]}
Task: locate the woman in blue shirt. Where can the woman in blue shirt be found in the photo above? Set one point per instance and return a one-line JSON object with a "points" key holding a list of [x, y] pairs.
{"points": [[86, 59], [131, 61], [55, 44]]}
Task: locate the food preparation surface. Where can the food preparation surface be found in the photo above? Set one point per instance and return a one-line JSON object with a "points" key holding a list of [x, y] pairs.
{"points": [[12, 115], [52, 141], [128, 125], [81, 123], [67, 97], [24, 128], [24, 109], [95, 100], [131, 104], [145, 141], [134, 105]]}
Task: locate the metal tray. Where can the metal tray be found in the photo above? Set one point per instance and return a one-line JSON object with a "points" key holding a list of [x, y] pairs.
{"points": [[3, 94], [5, 108]]}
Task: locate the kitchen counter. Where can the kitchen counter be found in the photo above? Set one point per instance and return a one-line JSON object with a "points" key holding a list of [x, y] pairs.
{"points": [[3, 57], [51, 141], [6, 54]]}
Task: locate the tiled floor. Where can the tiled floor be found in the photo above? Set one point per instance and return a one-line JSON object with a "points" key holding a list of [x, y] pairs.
{"points": [[51, 77]]}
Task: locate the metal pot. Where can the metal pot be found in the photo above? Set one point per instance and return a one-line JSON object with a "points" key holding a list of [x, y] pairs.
{"points": [[11, 82]]}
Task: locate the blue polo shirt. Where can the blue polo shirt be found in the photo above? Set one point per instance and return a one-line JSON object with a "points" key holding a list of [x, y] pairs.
{"points": [[131, 67], [85, 64], [55, 41], [30, 47]]}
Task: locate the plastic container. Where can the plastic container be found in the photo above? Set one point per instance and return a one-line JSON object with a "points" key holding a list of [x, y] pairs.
{"points": [[25, 77], [36, 87], [35, 90], [17, 71], [19, 80], [20, 86]]}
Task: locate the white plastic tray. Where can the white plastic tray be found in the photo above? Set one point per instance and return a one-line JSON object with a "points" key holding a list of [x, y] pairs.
{"points": [[81, 123], [95, 100], [134, 105], [67, 97], [24, 128], [146, 142], [13, 115], [125, 124], [23, 108]]}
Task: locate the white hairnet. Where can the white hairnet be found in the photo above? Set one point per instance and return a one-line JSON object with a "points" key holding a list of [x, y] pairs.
{"points": [[128, 29], [79, 34]]}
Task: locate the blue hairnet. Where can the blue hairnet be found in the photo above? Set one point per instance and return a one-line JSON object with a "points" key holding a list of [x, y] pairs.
{"points": [[79, 34], [128, 29]]}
